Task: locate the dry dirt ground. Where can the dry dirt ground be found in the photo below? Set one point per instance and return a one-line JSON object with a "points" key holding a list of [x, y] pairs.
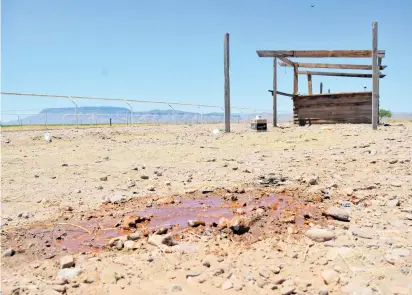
{"points": [[311, 210]]}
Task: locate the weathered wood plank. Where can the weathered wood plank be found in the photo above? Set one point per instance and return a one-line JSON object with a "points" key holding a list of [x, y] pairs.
{"points": [[315, 53], [286, 61], [310, 84], [330, 66], [274, 92], [295, 79], [375, 79], [335, 95], [353, 75], [282, 93], [227, 83]]}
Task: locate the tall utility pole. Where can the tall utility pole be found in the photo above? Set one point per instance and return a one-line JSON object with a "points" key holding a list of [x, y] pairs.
{"points": [[227, 83]]}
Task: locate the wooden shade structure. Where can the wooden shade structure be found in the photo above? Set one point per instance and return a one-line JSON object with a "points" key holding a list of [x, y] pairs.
{"points": [[349, 107]]}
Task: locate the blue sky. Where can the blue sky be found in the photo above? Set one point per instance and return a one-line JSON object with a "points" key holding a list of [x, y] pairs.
{"points": [[173, 50]]}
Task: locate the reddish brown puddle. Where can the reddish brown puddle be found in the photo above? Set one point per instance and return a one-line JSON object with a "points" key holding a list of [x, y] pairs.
{"points": [[208, 209]]}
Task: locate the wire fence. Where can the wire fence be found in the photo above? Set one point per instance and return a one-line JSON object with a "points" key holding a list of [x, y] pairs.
{"points": [[78, 117]]}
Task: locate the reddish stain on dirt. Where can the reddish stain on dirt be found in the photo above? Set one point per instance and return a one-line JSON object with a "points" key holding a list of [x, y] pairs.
{"points": [[208, 209]]}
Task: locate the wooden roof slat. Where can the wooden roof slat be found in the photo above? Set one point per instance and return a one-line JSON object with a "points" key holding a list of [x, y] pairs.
{"points": [[354, 75], [330, 66], [317, 53]]}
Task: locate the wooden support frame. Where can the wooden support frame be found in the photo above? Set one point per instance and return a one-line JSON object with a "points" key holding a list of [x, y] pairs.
{"points": [[282, 93], [274, 92], [310, 84], [286, 61], [375, 77], [227, 83], [316, 53], [329, 66], [333, 74], [295, 79]]}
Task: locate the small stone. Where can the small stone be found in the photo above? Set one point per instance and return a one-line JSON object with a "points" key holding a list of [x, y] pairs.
{"points": [[161, 231], [264, 273], [394, 161], [134, 236], [319, 235], [119, 244], [88, 281], [323, 291], [159, 240], [46, 292], [404, 270], [193, 274], [223, 222], [69, 272], [167, 183], [278, 279], [66, 261], [59, 288], [9, 252], [196, 223], [338, 213], [150, 188], [206, 263], [288, 287], [330, 276], [393, 203], [313, 180], [176, 288], [227, 285], [396, 184], [103, 178], [366, 233], [239, 225], [131, 245], [235, 168], [348, 191], [144, 177]]}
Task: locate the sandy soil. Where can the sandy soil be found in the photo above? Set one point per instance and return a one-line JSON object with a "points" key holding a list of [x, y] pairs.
{"points": [[55, 186]]}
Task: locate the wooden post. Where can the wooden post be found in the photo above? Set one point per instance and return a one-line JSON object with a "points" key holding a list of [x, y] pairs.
{"points": [[375, 76], [321, 87], [275, 123], [310, 84], [227, 83], [295, 78], [328, 90]]}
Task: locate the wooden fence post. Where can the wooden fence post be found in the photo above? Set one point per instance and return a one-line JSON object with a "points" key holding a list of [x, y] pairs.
{"points": [[375, 76], [275, 123], [227, 83]]}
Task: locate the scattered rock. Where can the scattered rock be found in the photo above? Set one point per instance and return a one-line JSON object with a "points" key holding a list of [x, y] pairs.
{"points": [[160, 240], [207, 189], [313, 180], [66, 261], [348, 191], [394, 161], [227, 285], [150, 188], [196, 223], [103, 178], [365, 233], [323, 291], [338, 213], [319, 235], [131, 245], [9, 252], [223, 222], [165, 201], [119, 244], [278, 279], [330, 276], [134, 236], [144, 177], [396, 184], [239, 225], [132, 221], [176, 288], [167, 183], [113, 199], [288, 287], [206, 263], [393, 203], [69, 273], [88, 281], [193, 274]]}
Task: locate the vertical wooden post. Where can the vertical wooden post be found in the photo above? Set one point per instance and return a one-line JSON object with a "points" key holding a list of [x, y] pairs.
{"points": [[227, 83], [310, 84], [328, 90], [295, 78], [275, 119], [375, 76], [379, 73], [321, 87]]}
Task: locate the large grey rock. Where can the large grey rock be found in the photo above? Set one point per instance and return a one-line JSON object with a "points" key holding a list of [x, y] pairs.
{"points": [[338, 213], [319, 235], [68, 273], [66, 261]]}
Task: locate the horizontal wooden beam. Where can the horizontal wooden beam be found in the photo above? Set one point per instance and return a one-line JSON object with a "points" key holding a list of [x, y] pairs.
{"points": [[286, 61], [330, 66], [282, 93], [354, 75], [316, 53]]}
